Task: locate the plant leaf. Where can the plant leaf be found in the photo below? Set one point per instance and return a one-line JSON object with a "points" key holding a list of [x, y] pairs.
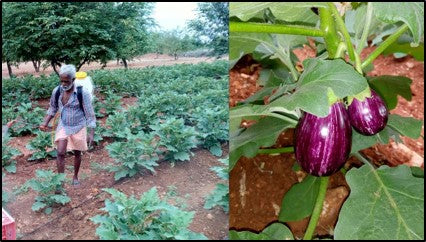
{"points": [[384, 204], [406, 126], [299, 201], [411, 13], [275, 231], [396, 126], [264, 133], [290, 12], [314, 84], [389, 87]]}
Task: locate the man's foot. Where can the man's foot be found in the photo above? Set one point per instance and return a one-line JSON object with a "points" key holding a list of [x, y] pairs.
{"points": [[75, 182]]}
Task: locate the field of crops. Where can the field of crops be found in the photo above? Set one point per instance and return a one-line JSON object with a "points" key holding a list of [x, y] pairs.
{"points": [[158, 165]]}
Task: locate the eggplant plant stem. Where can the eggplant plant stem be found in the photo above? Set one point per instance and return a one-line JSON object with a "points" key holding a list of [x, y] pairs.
{"points": [[343, 30], [276, 151], [328, 27], [274, 29], [317, 208], [364, 36], [365, 161], [340, 49], [384, 45]]}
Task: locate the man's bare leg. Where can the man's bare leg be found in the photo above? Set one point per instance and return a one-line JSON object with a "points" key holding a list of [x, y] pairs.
{"points": [[60, 161], [77, 162]]}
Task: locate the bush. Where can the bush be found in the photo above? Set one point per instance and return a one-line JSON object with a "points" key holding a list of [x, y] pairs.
{"points": [[147, 218]]}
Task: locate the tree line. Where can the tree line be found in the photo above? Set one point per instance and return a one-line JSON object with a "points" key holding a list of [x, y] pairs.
{"points": [[53, 33]]}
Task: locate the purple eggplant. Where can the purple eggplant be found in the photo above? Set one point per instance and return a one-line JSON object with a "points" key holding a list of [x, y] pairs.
{"points": [[322, 145], [370, 116]]}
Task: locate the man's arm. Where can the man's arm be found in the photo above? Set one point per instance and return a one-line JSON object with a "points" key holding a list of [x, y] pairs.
{"points": [[53, 109], [43, 126]]}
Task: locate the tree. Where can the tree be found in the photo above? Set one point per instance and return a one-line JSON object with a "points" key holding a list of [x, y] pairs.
{"points": [[131, 32], [212, 24], [73, 32], [173, 42]]}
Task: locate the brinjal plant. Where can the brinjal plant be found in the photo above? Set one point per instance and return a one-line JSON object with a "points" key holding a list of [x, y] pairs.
{"points": [[8, 154], [146, 218], [134, 155], [220, 195], [335, 109], [40, 145], [47, 184]]}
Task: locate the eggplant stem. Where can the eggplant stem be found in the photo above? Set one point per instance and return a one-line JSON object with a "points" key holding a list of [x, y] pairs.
{"points": [[364, 160], [276, 151], [317, 209]]}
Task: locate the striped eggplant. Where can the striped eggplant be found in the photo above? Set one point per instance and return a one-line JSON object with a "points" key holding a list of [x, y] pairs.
{"points": [[322, 145], [369, 116]]}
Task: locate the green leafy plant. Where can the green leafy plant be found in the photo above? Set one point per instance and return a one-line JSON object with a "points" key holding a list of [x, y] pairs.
{"points": [[4, 194], [220, 195], [176, 137], [46, 183], [137, 153], [117, 126], [8, 154], [112, 102], [147, 218], [40, 144], [269, 32], [212, 126], [29, 119]]}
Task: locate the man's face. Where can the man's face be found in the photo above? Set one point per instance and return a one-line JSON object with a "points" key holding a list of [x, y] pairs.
{"points": [[66, 82]]}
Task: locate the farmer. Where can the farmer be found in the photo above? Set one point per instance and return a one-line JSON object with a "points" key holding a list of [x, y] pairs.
{"points": [[71, 132]]}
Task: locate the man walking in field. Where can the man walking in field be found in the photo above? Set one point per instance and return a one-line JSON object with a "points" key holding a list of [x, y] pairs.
{"points": [[75, 113]]}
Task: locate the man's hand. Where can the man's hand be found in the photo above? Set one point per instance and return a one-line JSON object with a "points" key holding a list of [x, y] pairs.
{"points": [[43, 128], [91, 138], [9, 124]]}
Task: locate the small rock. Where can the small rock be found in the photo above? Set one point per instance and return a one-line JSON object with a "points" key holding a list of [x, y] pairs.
{"points": [[78, 214], [409, 64], [209, 216]]}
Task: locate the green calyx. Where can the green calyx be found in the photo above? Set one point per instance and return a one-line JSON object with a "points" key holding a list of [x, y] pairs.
{"points": [[360, 96], [332, 98]]}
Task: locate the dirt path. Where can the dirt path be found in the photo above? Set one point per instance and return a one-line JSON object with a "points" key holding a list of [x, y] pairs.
{"points": [[139, 62]]}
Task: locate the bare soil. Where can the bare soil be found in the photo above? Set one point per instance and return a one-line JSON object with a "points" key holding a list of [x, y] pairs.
{"points": [[257, 185], [138, 62]]}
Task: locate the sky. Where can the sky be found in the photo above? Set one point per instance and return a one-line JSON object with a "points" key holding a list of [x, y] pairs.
{"points": [[173, 14]]}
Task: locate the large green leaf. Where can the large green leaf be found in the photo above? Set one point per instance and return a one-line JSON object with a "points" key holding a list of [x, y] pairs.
{"points": [[245, 43], [355, 23], [384, 204], [397, 125], [411, 13], [389, 87], [360, 142], [263, 46], [315, 82], [275, 231], [406, 48], [262, 134], [406, 126], [299, 201], [289, 12]]}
